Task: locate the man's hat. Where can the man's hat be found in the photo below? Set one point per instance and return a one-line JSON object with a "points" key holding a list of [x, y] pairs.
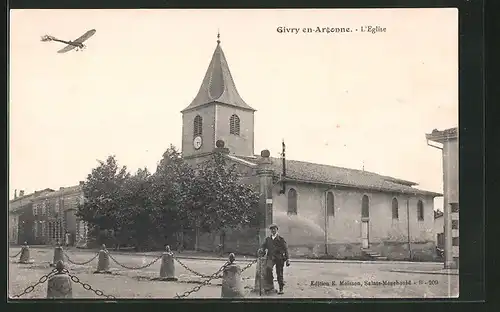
{"points": [[273, 226]]}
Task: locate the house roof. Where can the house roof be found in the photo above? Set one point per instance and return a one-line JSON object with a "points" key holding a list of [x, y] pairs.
{"points": [[47, 193], [61, 192], [442, 136], [337, 176], [218, 85], [30, 195]]}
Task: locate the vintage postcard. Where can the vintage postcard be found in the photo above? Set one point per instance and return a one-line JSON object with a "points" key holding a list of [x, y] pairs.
{"points": [[233, 154]]}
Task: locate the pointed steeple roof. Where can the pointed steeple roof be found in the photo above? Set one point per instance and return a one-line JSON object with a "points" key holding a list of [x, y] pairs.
{"points": [[218, 84]]}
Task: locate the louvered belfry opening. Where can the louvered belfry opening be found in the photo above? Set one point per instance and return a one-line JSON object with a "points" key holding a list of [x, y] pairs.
{"points": [[198, 126], [234, 125]]}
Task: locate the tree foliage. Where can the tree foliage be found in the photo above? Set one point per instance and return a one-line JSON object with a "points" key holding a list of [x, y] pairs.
{"points": [[171, 182], [102, 192], [218, 201], [144, 209]]}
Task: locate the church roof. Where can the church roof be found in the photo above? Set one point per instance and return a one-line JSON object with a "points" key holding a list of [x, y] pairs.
{"points": [[307, 172], [218, 85]]}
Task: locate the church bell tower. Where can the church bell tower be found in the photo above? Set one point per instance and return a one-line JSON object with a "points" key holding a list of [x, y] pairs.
{"points": [[217, 113]]}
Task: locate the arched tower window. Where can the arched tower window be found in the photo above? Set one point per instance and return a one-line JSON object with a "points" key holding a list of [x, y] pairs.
{"points": [[395, 209], [292, 202], [330, 204], [365, 207], [420, 210], [198, 126], [234, 125]]}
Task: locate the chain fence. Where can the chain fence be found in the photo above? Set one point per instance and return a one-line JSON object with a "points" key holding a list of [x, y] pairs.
{"points": [[134, 268], [86, 286], [206, 282], [42, 280], [73, 278], [80, 263], [17, 254], [211, 276], [249, 265], [195, 272]]}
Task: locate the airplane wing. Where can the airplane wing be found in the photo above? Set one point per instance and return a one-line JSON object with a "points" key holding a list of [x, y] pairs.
{"points": [[67, 48], [85, 36]]}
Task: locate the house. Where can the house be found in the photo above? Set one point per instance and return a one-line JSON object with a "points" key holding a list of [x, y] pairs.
{"points": [[447, 141], [47, 216], [321, 210], [55, 217]]}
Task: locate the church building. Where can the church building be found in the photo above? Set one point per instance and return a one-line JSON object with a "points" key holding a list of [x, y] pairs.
{"points": [[321, 210]]}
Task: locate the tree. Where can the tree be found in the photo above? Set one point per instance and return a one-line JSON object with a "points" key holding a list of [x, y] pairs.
{"points": [[170, 182], [217, 200], [135, 196], [144, 209], [101, 208]]}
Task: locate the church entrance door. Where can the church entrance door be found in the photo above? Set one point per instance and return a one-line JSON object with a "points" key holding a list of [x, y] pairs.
{"points": [[364, 234]]}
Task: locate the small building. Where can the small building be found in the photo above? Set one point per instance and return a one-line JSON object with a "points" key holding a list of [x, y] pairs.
{"points": [[320, 209], [447, 141], [21, 217], [55, 217], [47, 217]]}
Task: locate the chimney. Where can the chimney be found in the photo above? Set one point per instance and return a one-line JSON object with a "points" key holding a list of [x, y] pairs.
{"points": [[21, 193], [15, 193]]}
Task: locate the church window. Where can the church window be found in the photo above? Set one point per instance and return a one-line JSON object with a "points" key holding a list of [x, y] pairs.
{"points": [[198, 126], [365, 207], [234, 125], [420, 210], [395, 209], [292, 202], [330, 204]]}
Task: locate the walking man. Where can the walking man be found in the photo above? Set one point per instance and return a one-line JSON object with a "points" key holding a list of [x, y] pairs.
{"points": [[277, 255]]}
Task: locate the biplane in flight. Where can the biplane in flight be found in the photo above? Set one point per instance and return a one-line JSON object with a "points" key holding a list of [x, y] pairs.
{"points": [[76, 44]]}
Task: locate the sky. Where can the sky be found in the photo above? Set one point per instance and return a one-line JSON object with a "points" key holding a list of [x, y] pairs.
{"points": [[343, 99]]}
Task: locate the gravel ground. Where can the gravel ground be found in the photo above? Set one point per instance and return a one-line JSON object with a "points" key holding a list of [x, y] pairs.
{"points": [[303, 280]]}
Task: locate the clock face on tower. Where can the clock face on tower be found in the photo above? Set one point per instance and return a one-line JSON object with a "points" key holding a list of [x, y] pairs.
{"points": [[197, 142]]}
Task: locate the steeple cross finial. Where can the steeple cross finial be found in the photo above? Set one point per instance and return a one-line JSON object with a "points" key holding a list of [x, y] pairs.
{"points": [[218, 36]]}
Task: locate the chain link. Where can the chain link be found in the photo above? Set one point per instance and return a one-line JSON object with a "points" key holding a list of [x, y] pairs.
{"points": [[249, 265], [17, 254], [206, 282], [80, 263], [86, 286], [42, 280], [134, 268], [193, 271], [213, 275]]}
